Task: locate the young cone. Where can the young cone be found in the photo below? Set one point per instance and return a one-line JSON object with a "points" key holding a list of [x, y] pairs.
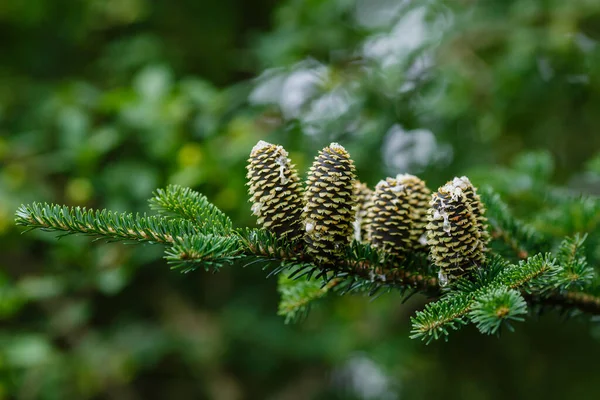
{"points": [[452, 233], [275, 190], [361, 219], [418, 197], [390, 222], [329, 205], [478, 208]]}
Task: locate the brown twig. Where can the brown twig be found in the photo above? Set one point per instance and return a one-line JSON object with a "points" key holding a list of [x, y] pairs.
{"points": [[520, 252], [582, 301], [393, 275]]}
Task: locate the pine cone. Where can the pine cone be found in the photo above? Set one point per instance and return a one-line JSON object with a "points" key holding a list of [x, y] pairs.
{"points": [[275, 191], [329, 205], [453, 233], [390, 222], [361, 219], [419, 196]]}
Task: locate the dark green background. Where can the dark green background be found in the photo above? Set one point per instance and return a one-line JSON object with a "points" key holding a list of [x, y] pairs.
{"points": [[101, 102]]}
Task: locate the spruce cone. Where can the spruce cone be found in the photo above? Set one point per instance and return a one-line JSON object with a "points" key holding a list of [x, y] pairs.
{"points": [[418, 197], [390, 222], [329, 205], [275, 190], [453, 233], [361, 221]]}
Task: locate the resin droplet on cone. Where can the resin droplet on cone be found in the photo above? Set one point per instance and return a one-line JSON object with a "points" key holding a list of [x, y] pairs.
{"points": [[329, 205], [275, 191]]}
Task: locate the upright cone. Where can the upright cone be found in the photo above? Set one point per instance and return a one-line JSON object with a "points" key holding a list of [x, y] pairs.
{"points": [[275, 191], [470, 192], [418, 198], [453, 233], [329, 205], [390, 222]]}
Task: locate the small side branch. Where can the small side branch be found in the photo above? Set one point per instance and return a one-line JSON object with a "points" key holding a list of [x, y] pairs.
{"points": [[581, 301], [519, 251], [103, 223], [392, 275], [365, 265]]}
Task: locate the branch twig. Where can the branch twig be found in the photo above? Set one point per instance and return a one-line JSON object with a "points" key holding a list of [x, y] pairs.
{"points": [[582, 301]]}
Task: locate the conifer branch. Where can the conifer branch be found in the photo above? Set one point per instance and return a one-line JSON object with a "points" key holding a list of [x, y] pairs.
{"points": [[102, 223], [192, 251], [576, 273], [309, 245], [185, 203], [361, 261], [298, 295], [437, 319], [519, 237], [497, 308], [581, 301]]}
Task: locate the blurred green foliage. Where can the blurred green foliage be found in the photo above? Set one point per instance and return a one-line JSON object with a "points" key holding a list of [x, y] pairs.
{"points": [[102, 102]]}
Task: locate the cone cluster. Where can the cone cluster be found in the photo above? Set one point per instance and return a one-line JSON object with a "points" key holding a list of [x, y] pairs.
{"points": [[455, 231], [399, 216], [322, 215]]}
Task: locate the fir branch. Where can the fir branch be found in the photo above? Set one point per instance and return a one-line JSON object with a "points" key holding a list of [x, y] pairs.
{"points": [[438, 318], [449, 313], [102, 223], [188, 204], [203, 237], [581, 301], [522, 239], [576, 273], [395, 275], [570, 213], [262, 243], [192, 251], [361, 261], [297, 295], [364, 262], [496, 308]]}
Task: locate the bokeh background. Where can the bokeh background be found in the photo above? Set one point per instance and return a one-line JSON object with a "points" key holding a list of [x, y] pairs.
{"points": [[101, 102]]}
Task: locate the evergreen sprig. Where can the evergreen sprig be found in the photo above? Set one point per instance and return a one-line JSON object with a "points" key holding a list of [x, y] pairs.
{"points": [[188, 204], [102, 223], [570, 213], [521, 238], [576, 273], [297, 295], [496, 308], [209, 251], [437, 319]]}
